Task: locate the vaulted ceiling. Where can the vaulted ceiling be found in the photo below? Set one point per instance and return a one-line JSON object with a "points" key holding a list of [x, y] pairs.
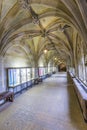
{"points": [[35, 25]]}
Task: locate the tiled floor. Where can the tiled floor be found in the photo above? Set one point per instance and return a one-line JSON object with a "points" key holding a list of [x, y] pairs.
{"points": [[52, 105]]}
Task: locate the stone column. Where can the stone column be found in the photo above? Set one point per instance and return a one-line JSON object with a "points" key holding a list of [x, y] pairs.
{"points": [[84, 69], [2, 78], [36, 72], [83, 63]]}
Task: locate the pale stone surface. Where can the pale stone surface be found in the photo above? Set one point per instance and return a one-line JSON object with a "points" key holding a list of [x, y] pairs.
{"points": [[2, 88], [52, 105]]}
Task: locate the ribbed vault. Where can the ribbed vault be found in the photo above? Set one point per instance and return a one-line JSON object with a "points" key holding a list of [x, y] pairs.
{"points": [[58, 26]]}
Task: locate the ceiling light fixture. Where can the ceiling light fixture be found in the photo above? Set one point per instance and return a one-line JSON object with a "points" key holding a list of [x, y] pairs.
{"points": [[55, 58], [45, 51]]}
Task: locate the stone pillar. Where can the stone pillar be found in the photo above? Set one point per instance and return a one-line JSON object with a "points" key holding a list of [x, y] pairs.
{"points": [[36, 72], [84, 69], [2, 86], [83, 64]]}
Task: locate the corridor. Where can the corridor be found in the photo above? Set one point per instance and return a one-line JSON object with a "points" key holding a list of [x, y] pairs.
{"points": [[51, 105]]}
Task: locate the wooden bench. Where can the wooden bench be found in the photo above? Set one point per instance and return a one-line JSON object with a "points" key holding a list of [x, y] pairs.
{"points": [[7, 96], [37, 80], [48, 75], [40, 79]]}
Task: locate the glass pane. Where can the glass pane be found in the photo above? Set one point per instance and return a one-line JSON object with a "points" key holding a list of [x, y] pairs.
{"points": [[28, 74], [16, 77], [23, 75], [33, 73], [41, 71], [46, 70], [10, 77]]}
